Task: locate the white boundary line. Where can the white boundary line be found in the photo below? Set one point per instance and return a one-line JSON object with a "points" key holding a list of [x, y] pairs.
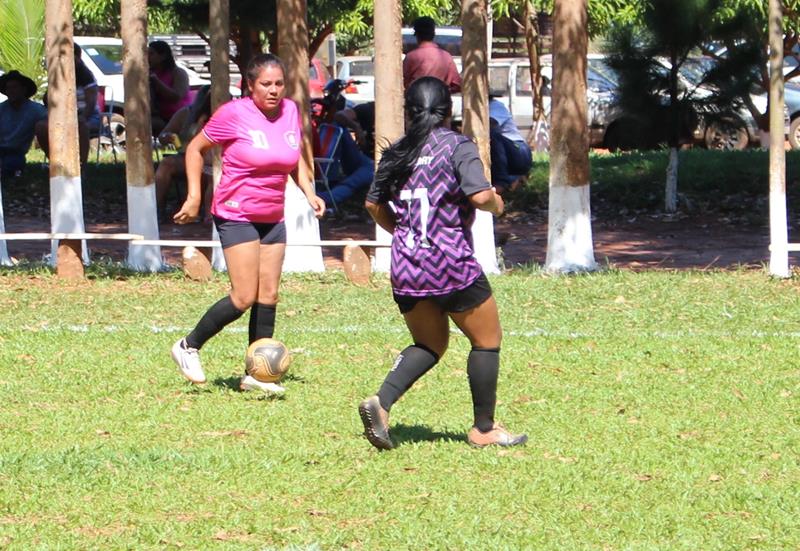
{"points": [[536, 333]]}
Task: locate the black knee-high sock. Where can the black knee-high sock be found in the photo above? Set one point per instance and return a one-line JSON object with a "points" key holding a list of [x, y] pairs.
{"points": [[410, 365], [483, 366], [262, 321], [218, 316]]}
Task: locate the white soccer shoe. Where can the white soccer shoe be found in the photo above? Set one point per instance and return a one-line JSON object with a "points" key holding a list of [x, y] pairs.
{"points": [[250, 383], [188, 360]]}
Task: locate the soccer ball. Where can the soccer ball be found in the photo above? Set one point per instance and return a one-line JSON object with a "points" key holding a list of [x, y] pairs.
{"points": [[267, 360]]}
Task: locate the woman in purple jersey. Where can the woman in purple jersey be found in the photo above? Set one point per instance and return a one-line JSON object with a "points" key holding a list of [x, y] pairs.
{"points": [[425, 193]]}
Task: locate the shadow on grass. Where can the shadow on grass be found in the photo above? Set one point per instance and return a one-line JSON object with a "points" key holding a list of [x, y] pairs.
{"points": [[402, 434], [232, 383]]}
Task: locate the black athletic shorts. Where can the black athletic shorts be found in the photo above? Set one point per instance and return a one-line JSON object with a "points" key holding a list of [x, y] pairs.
{"points": [[457, 301], [233, 232]]}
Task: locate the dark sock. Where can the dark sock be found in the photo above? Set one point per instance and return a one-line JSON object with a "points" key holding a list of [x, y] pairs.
{"points": [[410, 365], [213, 321], [262, 321], [483, 366]]}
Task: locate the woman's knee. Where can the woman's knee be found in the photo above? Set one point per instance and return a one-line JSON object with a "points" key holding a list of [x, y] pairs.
{"points": [[243, 300]]}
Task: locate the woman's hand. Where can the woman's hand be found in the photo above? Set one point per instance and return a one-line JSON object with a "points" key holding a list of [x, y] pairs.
{"points": [[190, 211], [317, 205]]}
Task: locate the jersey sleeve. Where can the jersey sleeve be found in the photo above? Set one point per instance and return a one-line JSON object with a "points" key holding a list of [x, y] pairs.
{"points": [[221, 128], [469, 168]]}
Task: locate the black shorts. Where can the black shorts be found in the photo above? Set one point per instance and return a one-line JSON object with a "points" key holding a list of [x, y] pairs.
{"points": [[232, 232], [457, 301]]}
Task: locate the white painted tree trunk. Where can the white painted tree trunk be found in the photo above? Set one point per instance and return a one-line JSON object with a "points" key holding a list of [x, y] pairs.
{"points": [[301, 227], [569, 230], [671, 187], [5, 260], [483, 242], [66, 212], [779, 236], [143, 220]]}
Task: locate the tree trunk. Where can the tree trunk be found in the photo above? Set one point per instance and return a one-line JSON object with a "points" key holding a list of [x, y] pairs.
{"points": [[779, 253], [142, 212], [671, 187], [475, 93], [301, 224], [539, 136], [66, 204], [219, 22], [389, 125], [569, 234]]}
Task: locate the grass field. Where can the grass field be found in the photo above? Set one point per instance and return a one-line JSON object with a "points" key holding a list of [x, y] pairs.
{"points": [[662, 410]]}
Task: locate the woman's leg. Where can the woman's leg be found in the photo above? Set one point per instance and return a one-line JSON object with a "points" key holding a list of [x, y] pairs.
{"points": [[428, 325], [262, 313], [429, 329], [481, 325], [242, 263]]}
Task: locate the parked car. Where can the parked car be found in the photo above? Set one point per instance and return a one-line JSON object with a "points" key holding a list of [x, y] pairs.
{"points": [[318, 77], [361, 69], [449, 38]]}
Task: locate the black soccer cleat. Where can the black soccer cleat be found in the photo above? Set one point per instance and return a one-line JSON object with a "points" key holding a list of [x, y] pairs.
{"points": [[376, 423]]}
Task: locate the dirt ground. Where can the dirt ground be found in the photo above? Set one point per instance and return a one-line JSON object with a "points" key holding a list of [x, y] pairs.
{"points": [[642, 242]]}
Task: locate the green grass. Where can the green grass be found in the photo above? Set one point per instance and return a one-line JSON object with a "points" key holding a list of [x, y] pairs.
{"points": [[662, 410]]}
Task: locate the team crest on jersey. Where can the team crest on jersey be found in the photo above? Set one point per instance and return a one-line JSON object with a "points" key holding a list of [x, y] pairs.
{"points": [[291, 139]]}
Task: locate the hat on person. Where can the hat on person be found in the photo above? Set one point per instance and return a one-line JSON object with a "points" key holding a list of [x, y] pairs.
{"points": [[28, 84]]}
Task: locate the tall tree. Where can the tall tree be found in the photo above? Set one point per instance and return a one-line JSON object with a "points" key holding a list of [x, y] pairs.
{"points": [[569, 233]]}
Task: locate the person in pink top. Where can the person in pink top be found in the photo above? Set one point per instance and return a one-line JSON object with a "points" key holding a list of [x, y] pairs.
{"points": [[261, 141], [428, 59], [169, 85]]}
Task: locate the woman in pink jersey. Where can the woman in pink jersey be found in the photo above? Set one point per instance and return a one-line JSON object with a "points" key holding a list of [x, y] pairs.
{"points": [[169, 85], [260, 137]]}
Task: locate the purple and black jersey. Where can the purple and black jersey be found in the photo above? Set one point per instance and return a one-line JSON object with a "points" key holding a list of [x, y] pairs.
{"points": [[432, 251]]}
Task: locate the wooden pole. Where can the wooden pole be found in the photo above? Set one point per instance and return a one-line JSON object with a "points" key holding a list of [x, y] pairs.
{"points": [[66, 205], [219, 24], [389, 123], [139, 173], [569, 239], [301, 224], [475, 113], [779, 254]]}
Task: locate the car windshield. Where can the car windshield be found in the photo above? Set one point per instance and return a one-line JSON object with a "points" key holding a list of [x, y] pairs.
{"points": [[107, 57], [602, 70], [362, 68]]}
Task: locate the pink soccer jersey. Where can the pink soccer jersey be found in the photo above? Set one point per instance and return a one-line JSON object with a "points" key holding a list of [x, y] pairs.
{"points": [[257, 156]]}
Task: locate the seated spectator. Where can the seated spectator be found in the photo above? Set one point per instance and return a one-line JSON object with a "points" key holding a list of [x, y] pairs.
{"points": [[179, 131], [169, 85], [511, 154], [88, 113], [18, 117], [357, 168]]}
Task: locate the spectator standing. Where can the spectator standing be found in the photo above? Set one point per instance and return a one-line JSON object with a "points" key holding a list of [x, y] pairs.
{"points": [[428, 59], [18, 117]]}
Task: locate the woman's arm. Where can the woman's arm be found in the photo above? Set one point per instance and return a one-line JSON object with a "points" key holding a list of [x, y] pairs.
{"points": [[488, 200], [304, 178], [194, 171], [382, 215]]}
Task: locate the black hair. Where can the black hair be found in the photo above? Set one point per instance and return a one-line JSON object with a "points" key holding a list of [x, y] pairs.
{"points": [[163, 49], [424, 28], [259, 62], [428, 104], [201, 104]]}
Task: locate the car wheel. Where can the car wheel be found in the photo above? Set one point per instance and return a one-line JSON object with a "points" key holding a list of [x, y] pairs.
{"points": [[727, 135], [794, 133]]}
